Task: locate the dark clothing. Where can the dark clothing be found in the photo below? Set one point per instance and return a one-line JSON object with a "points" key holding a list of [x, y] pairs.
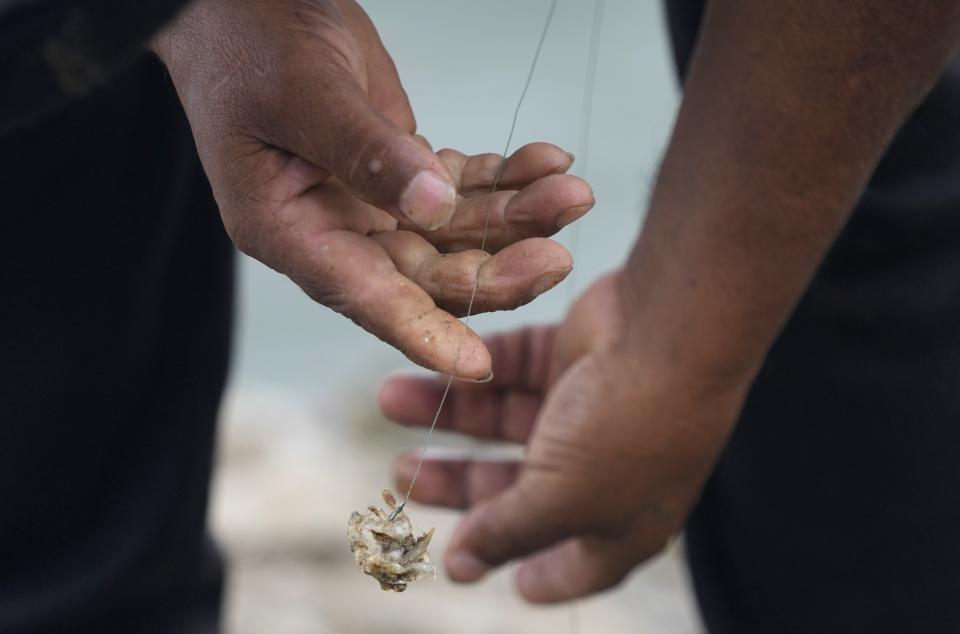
{"points": [[836, 506], [116, 280], [834, 509], [56, 51]]}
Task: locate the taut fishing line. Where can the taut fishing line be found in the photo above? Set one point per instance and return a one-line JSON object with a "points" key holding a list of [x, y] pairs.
{"points": [[586, 127], [586, 119], [483, 244], [583, 149]]}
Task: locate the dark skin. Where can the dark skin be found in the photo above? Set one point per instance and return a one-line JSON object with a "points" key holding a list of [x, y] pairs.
{"points": [[310, 145], [625, 406]]}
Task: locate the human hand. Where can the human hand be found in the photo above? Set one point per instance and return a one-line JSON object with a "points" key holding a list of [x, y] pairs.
{"points": [[618, 448], [309, 143]]}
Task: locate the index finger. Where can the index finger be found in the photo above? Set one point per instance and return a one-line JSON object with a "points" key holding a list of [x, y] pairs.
{"points": [[354, 276], [476, 174], [503, 408], [478, 410]]}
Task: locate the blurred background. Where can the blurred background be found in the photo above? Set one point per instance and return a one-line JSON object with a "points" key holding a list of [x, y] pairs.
{"points": [[302, 444]]}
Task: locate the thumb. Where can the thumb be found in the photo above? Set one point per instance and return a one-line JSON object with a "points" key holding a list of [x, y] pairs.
{"points": [[513, 524], [574, 569], [341, 132]]}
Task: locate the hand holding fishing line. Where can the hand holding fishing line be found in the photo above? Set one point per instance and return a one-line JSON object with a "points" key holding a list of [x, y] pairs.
{"points": [[625, 407], [615, 454], [310, 145]]}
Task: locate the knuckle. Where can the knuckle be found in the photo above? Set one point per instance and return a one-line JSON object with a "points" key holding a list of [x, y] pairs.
{"points": [[333, 298], [609, 564], [362, 303], [256, 225], [609, 576], [327, 292], [322, 287], [365, 165], [246, 237], [495, 540], [452, 287]]}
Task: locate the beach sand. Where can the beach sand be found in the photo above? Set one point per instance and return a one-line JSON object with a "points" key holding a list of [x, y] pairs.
{"points": [[285, 486]]}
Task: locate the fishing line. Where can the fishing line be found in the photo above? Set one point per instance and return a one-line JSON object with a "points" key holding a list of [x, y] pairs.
{"points": [[574, 619], [483, 244], [586, 128], [583, 148]]}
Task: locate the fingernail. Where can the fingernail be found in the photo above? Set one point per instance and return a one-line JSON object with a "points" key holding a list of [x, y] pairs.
{"points": [[464, 567], [572, 214], [428, 201], [485, 379], [545, 282], [572, 157]]}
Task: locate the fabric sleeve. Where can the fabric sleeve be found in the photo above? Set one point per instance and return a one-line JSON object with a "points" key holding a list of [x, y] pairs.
{"points": [[52, 51]]}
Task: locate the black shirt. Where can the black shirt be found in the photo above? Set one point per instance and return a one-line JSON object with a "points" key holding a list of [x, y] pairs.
{"points": [[116, 280], [836, 505]]}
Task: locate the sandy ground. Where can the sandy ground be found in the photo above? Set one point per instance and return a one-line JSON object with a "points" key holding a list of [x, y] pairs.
{"points": [[285, 486]]}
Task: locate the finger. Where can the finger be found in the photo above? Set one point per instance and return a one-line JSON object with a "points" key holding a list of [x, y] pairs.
{"points": [[539, 210], [478, 410], [573, 569], [521, 363], [383, 82], [330, 205], [475, 174], [328, 120], [424, 141], [504, 408], [454, 483], [353, 275], [515, 523], [509, 279]]}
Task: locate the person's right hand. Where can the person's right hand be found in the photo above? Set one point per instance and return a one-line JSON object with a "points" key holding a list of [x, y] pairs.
{"points": [[618, 444], [309, 143]]}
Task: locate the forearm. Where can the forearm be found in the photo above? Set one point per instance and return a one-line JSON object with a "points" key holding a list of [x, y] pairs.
{"points": [[788, 107]]}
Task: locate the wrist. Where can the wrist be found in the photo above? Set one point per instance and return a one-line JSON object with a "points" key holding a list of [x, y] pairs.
{"points": [[160, 44], [200, 41], [686, 345], [157, 45]]}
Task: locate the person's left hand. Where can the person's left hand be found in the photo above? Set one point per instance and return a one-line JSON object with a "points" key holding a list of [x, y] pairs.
{"points": [[619, 444]]}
